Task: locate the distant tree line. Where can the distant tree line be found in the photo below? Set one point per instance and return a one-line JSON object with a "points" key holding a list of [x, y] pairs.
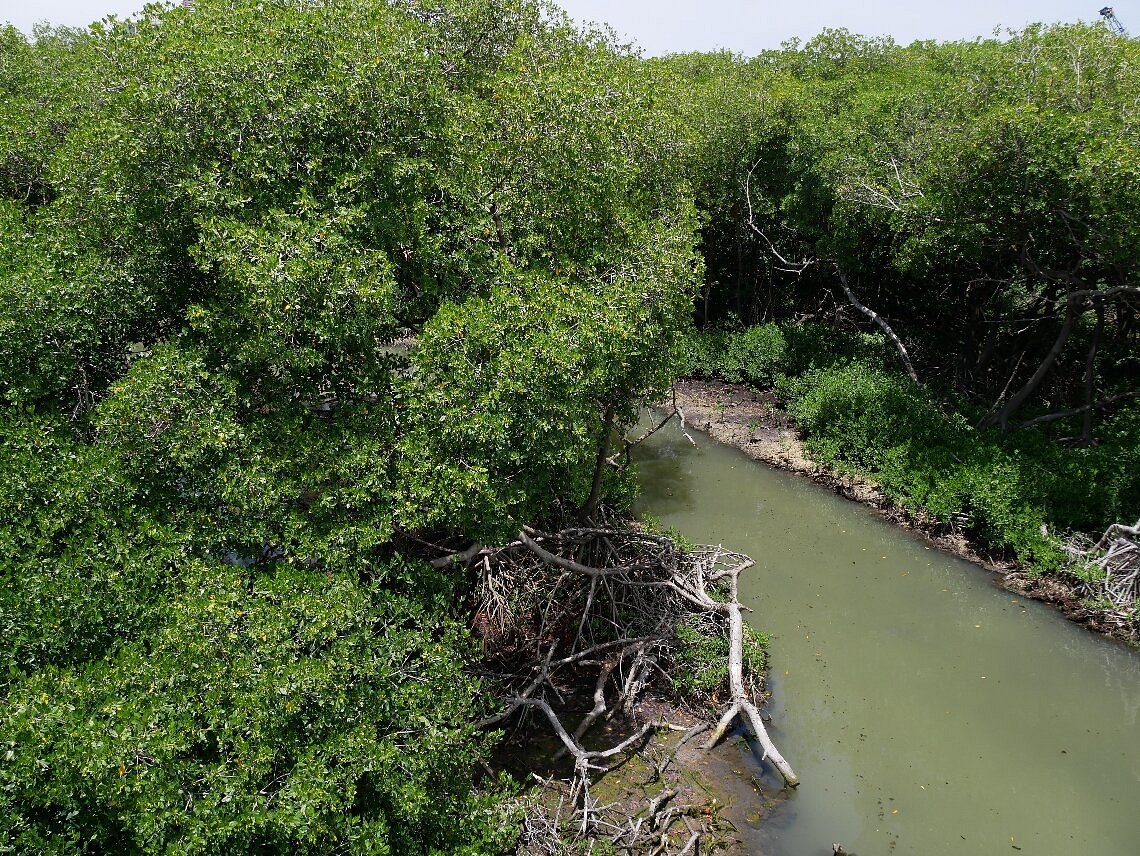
{"points": [[981, 197]]}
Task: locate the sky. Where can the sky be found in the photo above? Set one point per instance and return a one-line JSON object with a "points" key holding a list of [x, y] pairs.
{"points": [[742, 26]]}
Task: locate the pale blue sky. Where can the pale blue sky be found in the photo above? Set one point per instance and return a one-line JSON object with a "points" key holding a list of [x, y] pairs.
{"points": [[743, 26]]}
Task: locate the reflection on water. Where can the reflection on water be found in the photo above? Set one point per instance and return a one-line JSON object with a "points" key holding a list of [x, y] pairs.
{"points": [[926, 710]]}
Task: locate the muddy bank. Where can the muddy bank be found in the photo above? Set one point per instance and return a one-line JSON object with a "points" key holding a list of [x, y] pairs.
{"points": [[755, 423]]}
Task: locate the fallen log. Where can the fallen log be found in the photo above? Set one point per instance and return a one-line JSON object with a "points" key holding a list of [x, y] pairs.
{"points": [[741, 703]]}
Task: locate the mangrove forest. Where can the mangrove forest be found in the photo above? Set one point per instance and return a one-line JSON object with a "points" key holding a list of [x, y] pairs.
{"points": [[333, 334]]}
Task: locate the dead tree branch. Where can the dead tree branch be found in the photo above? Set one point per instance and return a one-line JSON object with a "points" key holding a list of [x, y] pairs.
{"points": [[788, 266], [628, 445], [1077, 411], [603, 607], [880, 194], [1111, 568], [881, 322]]}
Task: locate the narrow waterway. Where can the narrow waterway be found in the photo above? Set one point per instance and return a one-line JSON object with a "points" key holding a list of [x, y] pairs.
{"points": [[926, 710]]}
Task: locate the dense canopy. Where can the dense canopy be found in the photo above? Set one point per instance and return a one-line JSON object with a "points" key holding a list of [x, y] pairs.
{"points": [[287, 289], [295, 295]]}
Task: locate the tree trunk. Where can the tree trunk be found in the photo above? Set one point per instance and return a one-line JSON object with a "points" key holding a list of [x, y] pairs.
{"points": [[982, 363], [1014, 404], [1090, 377], [883, 325], [591, 504]]}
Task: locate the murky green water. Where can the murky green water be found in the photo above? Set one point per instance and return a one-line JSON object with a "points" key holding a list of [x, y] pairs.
{"points": [[927, 711]]}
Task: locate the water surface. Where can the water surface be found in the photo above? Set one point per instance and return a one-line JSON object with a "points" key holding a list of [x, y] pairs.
{"points": [[926, 710]]}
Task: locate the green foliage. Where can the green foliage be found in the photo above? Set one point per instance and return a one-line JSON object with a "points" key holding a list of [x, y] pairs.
{"points": [[532, 371], [282, 712], [755, 355], [702, 659], [84, 554], [972, 194], [883, 425], [1004, 486], [966, 190], [816, 346], [763, 354], [859, 414], [287, 290]]}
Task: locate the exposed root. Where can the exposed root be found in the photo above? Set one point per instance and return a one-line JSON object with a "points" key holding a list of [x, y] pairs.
{"points": [[601, 607]]}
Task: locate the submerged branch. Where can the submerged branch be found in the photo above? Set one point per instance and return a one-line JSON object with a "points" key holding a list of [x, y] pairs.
{"points": [[675, 412]]}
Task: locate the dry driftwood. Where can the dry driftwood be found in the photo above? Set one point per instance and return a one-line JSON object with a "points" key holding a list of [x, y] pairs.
{"points": [[601, 606], [1115, 560]]}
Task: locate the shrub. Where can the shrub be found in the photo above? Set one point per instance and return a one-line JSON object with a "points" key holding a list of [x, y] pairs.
{"points": [[862, 418], [855, 413], [816, 346], [752, 356], [761, 355], [702, 659]]}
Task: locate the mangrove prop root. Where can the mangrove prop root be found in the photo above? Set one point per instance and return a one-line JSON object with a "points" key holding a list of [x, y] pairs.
{"points": [[603, 607]]}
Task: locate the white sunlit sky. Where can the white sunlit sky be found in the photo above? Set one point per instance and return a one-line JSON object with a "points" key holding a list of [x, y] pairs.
{"points": [[742, 26]]}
